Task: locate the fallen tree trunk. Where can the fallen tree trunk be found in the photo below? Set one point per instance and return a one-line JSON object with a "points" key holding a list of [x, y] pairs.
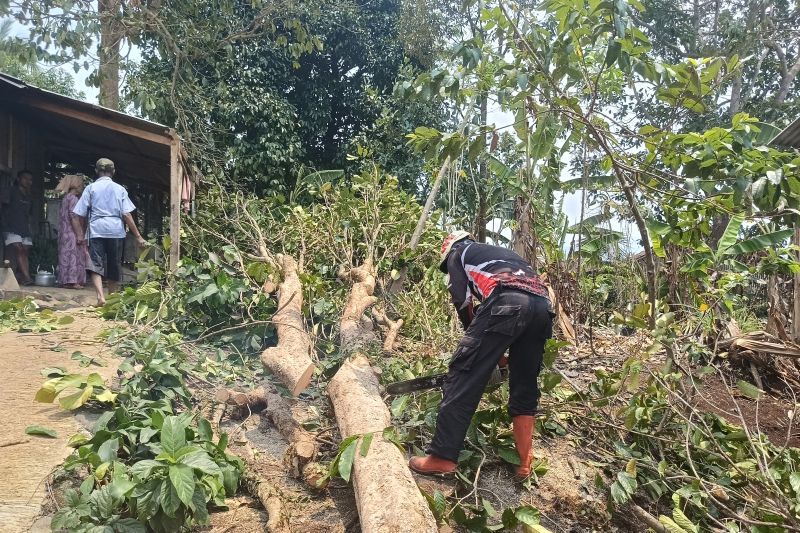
{"points": [[387, 497], [290, 361], [381, 476]]}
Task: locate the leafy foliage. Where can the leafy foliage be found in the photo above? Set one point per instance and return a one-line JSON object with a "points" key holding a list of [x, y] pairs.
{"points": [[149, 469], [24, 315]]}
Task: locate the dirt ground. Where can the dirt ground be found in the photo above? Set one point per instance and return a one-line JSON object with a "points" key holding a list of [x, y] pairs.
{"points": [[26, 461], [769, 415]]}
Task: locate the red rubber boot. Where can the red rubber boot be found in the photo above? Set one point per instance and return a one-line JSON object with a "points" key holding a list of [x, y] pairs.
{"points": [[523, 440], [430, 465]]}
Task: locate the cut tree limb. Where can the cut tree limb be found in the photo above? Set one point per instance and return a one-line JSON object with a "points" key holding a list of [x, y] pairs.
{"points": [[268, 494], [302, 444], [387, 497], [382, 475], [353, 332], [290, 361], [392, 329], [242, 402]]}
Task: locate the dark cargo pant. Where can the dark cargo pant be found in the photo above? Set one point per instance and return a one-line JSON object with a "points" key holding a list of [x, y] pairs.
{"points": [[508, 319]]}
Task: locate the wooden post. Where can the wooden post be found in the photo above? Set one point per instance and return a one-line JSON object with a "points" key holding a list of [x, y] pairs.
{"points": [[175, 184], [796, 307]]}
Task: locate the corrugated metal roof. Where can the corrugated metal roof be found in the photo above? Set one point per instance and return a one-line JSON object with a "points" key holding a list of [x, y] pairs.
{"points": [[789, 136]]}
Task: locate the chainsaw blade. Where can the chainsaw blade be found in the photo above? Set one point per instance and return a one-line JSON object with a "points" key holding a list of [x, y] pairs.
{"points": [[411, 385], [437, 380]]}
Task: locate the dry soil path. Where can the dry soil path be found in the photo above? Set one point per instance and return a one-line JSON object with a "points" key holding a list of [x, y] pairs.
{"points": [[27, 461]]}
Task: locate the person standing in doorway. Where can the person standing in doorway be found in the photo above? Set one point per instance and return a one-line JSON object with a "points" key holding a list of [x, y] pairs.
{"points": [[104, 209], [71, 256], [17, 226]]}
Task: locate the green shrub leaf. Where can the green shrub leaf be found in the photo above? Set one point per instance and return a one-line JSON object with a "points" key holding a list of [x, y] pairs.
{"points": [[173, 435], [182, 479], [41, 431]]}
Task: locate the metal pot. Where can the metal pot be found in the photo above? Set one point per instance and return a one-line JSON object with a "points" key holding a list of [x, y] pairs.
{"points": [[45, 279]]}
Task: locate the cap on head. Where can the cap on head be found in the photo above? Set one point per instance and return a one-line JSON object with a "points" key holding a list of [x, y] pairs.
{"points": [[447, 245], [104, 165]]}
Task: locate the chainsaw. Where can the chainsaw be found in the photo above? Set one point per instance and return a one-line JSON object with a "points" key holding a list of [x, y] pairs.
{"points": [[437, 380]]}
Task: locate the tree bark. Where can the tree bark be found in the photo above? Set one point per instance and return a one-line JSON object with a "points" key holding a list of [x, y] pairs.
{"points": [[392, 329], [387, 497], [111, 35], [290, 361], [354, 331], [523, 233], [796, 297], [483, 179], [302, 444]]}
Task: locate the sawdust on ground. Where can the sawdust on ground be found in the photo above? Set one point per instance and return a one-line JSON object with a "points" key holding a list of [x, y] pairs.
{"points": [[26, 461]]}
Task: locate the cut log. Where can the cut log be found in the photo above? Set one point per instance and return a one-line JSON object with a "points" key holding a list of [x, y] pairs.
{"points": [[242, 403], [302, 444], [290, 361], [760, 341], [388, 498]]}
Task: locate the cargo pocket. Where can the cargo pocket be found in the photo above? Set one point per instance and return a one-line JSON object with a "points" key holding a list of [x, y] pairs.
{"points": [[504, 319], [465, 354]]}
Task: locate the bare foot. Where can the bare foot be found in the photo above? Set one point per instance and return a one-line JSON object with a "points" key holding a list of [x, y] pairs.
{"points": [[100, 303]]}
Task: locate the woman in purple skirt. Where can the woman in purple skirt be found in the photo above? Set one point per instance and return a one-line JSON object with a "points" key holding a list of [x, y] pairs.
{"points": [[71, 256]]}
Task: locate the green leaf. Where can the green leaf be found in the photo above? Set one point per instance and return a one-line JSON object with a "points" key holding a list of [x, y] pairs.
{"points": [[144, 468], [201, 461], [103, 502], [728, 238], [365, 443], [204, 430], [120, 488], [173, 435], [346, 460], [230, 479], [108, 450], [128, 525], [73, 401], [169, 499], [41, 431], [671, 525], [182, 478], [528, 515], [762, 242], [508, 455], [66, 319], [749, 390], [794, 481], [683, 521], [199, 506], [612, 53]]}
